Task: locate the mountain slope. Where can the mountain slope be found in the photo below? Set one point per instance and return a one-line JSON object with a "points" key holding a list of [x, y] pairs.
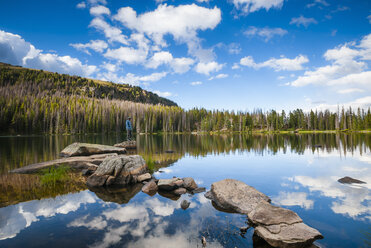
{"points": [[39, 81]]}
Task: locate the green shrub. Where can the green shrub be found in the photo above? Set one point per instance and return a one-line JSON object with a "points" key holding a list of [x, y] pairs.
{"points": [[52, 175]]}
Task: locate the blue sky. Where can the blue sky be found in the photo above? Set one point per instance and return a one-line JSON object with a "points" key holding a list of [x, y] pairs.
{"points": [[225, 54]]}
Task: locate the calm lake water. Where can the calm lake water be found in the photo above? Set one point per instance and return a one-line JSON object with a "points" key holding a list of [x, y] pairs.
{"points": [[298, 172]]}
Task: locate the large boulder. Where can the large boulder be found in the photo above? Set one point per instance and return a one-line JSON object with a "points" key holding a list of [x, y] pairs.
{"points": [[121, 170], [129, 144], [235, 196], [85, 149]]}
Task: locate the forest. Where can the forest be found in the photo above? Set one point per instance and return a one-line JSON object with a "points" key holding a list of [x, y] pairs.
{"points": [[34, 101]]}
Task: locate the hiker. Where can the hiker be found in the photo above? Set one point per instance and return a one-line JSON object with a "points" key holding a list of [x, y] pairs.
{"points": [[129, 128]]}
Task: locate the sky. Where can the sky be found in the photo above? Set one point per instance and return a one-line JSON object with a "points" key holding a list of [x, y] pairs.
{"points": [[217, 54]]}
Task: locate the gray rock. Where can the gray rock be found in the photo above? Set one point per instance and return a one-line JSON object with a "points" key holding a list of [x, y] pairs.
{"points": [[124, 169], [179, 183], [189, 183], [85, 149], [110, 180], [167, 184], [287, 236], [185, 204], [96, 181], [267, 214], [349, 180], [180, 191], [89, 171], [236, 196], [144, 177], [129, 144], [150, 188], [198, 190]]}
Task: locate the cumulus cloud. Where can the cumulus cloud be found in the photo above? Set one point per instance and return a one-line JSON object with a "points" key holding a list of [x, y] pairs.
{"points": [[95, 45], [163, 94], [248, 6], [350, 90], [81, 5], [113, 34], [219, 76], [196, 83], [128, 55], [318, 3], [293, 199], [265, 33], [363, 103], [304, 21], [207, 68], [15, 50], [281, 64], [179, 65], [347, 68], [99, 10]]}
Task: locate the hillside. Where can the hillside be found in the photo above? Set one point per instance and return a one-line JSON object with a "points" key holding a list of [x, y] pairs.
{"points": [[39, 81]]}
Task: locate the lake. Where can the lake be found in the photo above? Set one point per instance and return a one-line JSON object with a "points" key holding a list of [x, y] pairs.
{"points": [[298, 172]]}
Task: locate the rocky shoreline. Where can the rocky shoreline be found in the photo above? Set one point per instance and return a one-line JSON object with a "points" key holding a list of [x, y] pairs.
{"points": [[106, 166]]}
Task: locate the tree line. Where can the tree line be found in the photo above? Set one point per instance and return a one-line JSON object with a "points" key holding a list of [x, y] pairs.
{"points": [[33, 101]]}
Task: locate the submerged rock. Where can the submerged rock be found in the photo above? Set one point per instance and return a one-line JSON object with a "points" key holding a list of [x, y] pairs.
{"points": [[189, 183], [349, 180], [236, 196], [129, 144], [185, 204], [85, 149], [150, 188], [122, 170]]}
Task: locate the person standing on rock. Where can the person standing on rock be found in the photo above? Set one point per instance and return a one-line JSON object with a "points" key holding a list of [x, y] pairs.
{"points": [[129, 128]]}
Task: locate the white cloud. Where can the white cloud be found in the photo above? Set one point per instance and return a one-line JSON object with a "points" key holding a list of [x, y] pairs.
{"points": [[163, 94], [128, 55], [134, 80], [248, 6], [181, 22], [206, 68], [113, 34], [219, 76], [347, 68], [363, 103], [266, 33], [293, 199], [95, 45], [196, 83], [235, 66], [99, 10], [234, 48], [350, 90], [304, 21], [97, 2], [281, 64], [15, 50], [179, 65], [81, 5], [318, 2]]}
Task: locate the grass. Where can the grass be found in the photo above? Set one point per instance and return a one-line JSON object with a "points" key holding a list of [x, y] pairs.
{"points": [[52, 175], [150, 164]]}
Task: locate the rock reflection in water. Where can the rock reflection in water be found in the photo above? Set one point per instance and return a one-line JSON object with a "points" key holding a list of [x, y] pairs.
{"points": [[120, 195]]}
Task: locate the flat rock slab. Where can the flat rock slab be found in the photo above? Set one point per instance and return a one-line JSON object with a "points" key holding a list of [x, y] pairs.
{"points": [[349, 180], [72, 161], [168, 184], [85, 149], [235, 196], [129, 144], [267, 214], [144, 177], [288, 236]]}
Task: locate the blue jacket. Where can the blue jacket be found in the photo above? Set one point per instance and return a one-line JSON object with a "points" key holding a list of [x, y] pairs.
{"points": [[128, 125]]}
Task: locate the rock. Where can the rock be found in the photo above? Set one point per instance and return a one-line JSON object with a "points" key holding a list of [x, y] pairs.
{"points": [[129, 144], [124, 169], [179, 183], [96, 181], [85, 149], [169, 194], [349, 180], [167, 184], [267, 214], [185, 204], [235, 196], [150, 188], [89, 171], [287, 236], [120, 195], [110, 181], [180, 191], [198, 190], [144, 177], [189, 183], [76, 162]]}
